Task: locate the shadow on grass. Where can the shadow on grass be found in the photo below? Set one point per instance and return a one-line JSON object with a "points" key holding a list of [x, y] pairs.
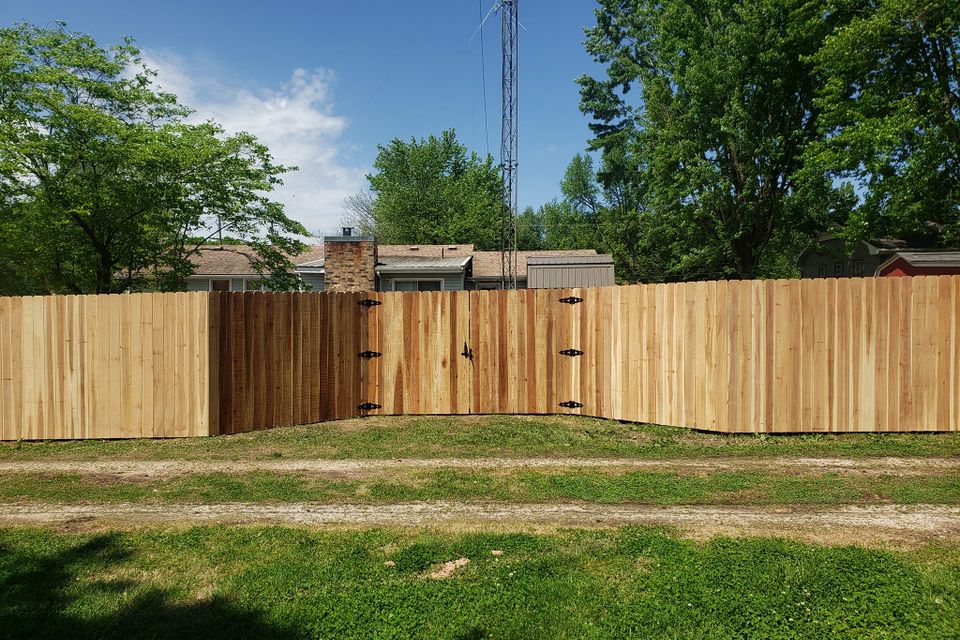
{"points": [[51, 596]]}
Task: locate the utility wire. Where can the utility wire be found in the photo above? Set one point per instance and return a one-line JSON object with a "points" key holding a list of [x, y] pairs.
{"points": [[483, 76]]}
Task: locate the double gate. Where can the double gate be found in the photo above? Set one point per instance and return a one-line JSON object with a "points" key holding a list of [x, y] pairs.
{"points": [[463, 352]]}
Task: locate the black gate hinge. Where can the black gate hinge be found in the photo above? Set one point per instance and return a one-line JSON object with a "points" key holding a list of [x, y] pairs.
{"points": [[368, 406], [369, 354], [571, 352], [369, 302], [571, 404], [571, 300]]}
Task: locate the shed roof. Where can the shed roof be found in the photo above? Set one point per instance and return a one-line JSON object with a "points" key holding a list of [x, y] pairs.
{"points": [[542, 260], [933, 259]]}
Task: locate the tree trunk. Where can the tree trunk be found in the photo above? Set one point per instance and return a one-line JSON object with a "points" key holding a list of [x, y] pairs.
{"points": [[104, 271], [747, 260]]}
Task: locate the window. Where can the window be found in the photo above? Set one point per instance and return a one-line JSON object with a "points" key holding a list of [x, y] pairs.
{"points": [[858, 268], [838, 269], [253, 285], [822, 271], [219, 285], [418, 285]]}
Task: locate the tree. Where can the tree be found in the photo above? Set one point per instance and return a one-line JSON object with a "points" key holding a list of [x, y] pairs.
{"points": [[530, 230], [106, 183], [600, 210], [432, 191], [712, 148], [359, 212], [891, 118]]}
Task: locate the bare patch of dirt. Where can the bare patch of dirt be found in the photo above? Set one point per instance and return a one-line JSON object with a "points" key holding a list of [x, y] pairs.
{"points": [[447, 569], [116, 471], [76, 525], [112, 479], [874, 525]]}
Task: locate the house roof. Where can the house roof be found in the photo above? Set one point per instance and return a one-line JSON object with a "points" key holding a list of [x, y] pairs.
{"points": [[486, 264], [887, 245], [426, 250], [393, 264], [224, 260], [311, 257], [929, 259], [235, 259]]}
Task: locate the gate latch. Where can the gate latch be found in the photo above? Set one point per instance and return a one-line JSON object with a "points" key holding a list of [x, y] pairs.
{"points": [[571, 352], [369, 354], [571, 404], [368, 406], [571, 300], [369, 302], [467, 352]]}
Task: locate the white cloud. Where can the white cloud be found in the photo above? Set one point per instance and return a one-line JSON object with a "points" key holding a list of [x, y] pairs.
{"points": [[296, 121]]}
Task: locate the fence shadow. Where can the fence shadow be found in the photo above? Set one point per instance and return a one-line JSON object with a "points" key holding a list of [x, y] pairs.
{"points": [[40, 598]]}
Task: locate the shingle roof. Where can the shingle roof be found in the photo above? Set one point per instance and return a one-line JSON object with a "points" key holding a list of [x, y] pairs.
{"points": [[426, 250], [889, 244], [935, 259], [224, 260], [486, 264], [311, 257], [235, 259]]}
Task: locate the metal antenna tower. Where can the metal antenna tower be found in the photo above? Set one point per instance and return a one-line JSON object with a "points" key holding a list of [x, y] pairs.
{"points": [[510, 32]]}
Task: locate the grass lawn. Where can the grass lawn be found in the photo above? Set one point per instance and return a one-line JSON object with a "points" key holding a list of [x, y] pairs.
{"points": [[83, 577], [475, 436], [260, 582], [605, 486]]}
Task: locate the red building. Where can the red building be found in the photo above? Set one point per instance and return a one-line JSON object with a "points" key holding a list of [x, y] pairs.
{"points": [[921, 263]]}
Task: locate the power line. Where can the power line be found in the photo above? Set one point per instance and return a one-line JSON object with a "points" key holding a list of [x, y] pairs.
{"points": [[483, 75]]}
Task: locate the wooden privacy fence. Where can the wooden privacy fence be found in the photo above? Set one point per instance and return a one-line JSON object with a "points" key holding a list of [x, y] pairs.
{"points": [[876, 354]]}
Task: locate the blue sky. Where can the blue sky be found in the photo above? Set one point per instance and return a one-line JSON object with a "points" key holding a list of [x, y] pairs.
{"points": [[323, 83]]}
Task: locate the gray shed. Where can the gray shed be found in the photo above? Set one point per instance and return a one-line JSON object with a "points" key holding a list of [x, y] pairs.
{"points": [[552, 272]]}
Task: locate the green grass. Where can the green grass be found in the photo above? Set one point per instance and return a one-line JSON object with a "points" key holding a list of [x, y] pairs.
{"points": [[488, 436], [258, 582], [604, 486]]}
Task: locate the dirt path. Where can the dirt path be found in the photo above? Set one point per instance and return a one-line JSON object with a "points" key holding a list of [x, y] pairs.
{"points": [[882, 524], [168, 468]]}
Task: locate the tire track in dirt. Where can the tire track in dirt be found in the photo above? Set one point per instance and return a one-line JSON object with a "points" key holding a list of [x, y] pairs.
{"points": [[171, 468], [880, 524]]}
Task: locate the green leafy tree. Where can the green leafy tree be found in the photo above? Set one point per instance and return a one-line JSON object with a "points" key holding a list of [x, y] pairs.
{"points": [[709, 151], [530, 230], [891, 117], [432, 191], [601, 210], [105, 184]]}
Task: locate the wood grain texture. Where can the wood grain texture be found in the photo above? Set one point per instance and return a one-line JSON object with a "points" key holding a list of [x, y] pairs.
{"points": [[110, 366], [807, 356]]}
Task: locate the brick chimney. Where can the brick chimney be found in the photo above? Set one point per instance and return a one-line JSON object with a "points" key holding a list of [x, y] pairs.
{"points": [[349, 262]]}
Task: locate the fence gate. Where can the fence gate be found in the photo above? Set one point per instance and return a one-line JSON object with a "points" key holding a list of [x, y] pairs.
{"points": [[481, 352], [419, 352]]}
